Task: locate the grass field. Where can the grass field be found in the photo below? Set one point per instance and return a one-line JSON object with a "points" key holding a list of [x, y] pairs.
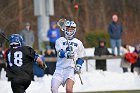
{"points": [[134, 91]]}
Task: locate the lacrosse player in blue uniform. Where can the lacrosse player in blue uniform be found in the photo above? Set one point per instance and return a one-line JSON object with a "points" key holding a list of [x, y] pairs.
{"points": [[20, 64], [70, 59]]}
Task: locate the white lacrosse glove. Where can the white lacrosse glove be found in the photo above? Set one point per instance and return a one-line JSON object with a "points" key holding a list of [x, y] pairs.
{"points": [[78, 65], [69, 53], [78, 69]]}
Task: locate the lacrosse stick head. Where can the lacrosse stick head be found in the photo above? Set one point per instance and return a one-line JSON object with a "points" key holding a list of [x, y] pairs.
{"points": [[62, 24]]}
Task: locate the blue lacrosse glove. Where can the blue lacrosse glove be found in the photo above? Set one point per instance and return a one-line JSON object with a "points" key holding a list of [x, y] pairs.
{"points": [[78, 65], [69, 54], [61, 53]]}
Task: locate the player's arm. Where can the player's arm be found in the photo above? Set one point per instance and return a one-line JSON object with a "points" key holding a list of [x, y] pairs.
{"points": [[40, 61], [36, 58], [80, 59]]}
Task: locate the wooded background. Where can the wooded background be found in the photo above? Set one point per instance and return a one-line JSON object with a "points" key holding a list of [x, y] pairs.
{"points": [[91, 16]]}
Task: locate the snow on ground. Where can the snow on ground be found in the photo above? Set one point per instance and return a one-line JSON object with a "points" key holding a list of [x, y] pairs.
{"points": [[94, 80]]}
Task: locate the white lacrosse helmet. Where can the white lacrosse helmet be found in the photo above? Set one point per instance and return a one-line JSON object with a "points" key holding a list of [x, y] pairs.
{"points": [[70, 24]]}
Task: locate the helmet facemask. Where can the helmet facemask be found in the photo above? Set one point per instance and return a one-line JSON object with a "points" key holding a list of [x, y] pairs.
{"points": [[70, 29]]}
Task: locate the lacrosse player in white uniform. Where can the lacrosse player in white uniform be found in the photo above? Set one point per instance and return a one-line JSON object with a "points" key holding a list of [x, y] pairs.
{"points": [[70, 59]]}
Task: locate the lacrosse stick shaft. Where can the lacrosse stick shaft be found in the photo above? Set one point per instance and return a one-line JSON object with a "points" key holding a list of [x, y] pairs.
{"points": [[80, 78], [4, 36], [75, 63]]}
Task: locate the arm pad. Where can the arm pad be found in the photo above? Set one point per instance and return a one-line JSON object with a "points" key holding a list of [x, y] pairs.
{"points": [[79, 61]]}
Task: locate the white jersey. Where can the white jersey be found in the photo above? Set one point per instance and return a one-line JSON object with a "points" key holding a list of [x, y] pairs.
{"points": [[78, 49]]}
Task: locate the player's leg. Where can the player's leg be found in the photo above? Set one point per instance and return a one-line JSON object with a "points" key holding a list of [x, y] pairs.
{"points": [[69, 86], [26, 84], [19, 85], [55, 83], [69, 79], [16, 87], [57, 80]]}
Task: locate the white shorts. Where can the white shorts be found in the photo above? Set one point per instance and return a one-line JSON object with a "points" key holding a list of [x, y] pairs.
{"points": [[63, 74]]}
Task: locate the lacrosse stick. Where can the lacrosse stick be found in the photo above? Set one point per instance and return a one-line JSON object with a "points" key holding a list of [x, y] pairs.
{"points": [[62, 24], [1, 33]]}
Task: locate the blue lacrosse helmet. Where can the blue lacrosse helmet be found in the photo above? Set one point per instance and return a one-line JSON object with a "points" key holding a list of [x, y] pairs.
{"points": [[70, 24], [16, 40]]}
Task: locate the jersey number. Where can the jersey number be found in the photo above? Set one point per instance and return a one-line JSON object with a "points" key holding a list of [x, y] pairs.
{"points": [[17, 59]]}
